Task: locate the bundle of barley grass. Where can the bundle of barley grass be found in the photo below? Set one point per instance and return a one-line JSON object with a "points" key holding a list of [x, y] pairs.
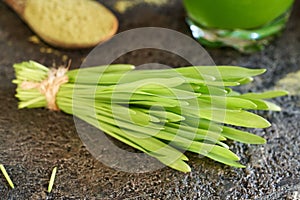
{"points": [[162, 113]]}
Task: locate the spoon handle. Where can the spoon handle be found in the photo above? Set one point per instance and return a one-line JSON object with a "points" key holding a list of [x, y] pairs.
{"points": [[17, 5]]}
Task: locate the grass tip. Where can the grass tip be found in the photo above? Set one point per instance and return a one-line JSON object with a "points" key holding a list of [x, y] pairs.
{"points": [[52, 178], [4, 172]]}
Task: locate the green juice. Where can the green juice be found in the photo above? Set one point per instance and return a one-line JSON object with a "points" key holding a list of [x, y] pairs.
{"points": [[235, 14]]}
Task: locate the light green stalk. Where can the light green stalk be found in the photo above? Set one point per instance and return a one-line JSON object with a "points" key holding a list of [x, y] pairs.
{"points": [[5, 174]]}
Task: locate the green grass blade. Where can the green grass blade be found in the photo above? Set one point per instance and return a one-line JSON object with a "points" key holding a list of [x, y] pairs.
{"points": [[264, 95], [225, 160], [242, 136], [5, 174], [235, 117]]}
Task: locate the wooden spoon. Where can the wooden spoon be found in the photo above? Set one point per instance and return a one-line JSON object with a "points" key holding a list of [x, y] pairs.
{"points": [[67, 23]]}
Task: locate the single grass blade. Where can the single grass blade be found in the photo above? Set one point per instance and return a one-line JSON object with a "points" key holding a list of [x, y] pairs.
{"points": [[52, 178], [5, 174], [242, 136], [265, 95]]}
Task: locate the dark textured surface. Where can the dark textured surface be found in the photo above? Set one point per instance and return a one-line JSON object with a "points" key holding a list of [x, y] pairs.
{"points": [[33, 141]]}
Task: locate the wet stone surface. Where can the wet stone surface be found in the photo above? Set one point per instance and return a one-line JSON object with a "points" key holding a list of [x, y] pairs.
{"points": [[33, 141]]}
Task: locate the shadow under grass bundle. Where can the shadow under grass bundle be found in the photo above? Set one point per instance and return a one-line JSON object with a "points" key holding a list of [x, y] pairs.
{"points": [[159, 112]]}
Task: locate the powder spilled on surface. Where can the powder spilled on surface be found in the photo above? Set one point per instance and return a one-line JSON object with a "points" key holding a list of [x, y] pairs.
{"points": [[123, 5], [34, 39], [290, 83]]}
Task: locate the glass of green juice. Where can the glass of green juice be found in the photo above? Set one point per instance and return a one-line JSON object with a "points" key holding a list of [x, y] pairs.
{"points": [[247, 25]]}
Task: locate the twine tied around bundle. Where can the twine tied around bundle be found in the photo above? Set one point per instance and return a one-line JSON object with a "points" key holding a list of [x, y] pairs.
{"points": [[50, 86]]}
